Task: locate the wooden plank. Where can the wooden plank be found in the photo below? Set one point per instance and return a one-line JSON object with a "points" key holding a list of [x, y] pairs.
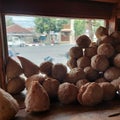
{"points": [[74, 111], [63, 8], [3, 52], [108, 1]]}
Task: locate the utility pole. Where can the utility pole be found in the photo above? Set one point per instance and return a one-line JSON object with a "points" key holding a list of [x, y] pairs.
{"points": [[89, 31], [72, 36]]}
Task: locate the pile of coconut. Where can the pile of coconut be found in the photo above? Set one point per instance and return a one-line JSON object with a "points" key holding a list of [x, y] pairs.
{"points": [[94, 68]]}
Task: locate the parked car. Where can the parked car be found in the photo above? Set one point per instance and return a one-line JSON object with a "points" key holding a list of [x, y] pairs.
{"points": [[18, 42], [32, 44]]}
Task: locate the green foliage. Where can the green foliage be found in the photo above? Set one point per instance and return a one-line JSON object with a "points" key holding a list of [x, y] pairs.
{"points": [[96, 23], [47, 24], [9, 21], [79, 27], [60, 23]]}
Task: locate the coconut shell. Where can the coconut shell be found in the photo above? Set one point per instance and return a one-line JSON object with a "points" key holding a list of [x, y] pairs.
{"points": [[107, 39], [37, 99], [8, 106], [46, 68], [117, 48], [29, 67], [72, 63], [91, 74], [90, 52], [67, 93], [100, 32], [16, 85], [59, 71], [51, 86], [112, 73], [100, 80], [83, 62], [99, 63], [75, 52], [83, 41], [116, 36], [109, 90], [88, 94], [116, 83], [74, 75], [81, 82], [106, 49], [93, 44], [37, 77], [116, 60], [13, 69]]}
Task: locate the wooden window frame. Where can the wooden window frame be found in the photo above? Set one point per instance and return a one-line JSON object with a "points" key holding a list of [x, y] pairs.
{"points": [[63, 8]]}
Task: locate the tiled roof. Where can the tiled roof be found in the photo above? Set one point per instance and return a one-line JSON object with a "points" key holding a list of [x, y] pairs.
{"points": [[17, 29], [31, 29]]}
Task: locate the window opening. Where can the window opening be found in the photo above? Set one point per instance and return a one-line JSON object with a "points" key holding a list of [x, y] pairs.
{"points": [[40, 38]]}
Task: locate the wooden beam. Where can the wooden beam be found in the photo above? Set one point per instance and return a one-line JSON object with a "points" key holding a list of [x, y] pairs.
{"points": [[107, 1], [63, 8], [3, 52]]}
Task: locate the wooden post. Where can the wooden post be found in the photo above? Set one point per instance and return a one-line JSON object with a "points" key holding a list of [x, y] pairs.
{"points": [[3, 52], [112, 22]]}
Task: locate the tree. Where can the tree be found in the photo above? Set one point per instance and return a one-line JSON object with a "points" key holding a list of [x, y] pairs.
{"points": [[79, 27], [89, 28], [9, 21], [82, 26], [60, 22], [47, 24], [97, 23]]}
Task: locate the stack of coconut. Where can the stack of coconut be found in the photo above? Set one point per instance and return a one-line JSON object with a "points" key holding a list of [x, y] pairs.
{"points": [[95, 65], [100, 61], [94, 74]]}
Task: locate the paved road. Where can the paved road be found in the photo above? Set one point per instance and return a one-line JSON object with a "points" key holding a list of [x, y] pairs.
{"points": [[37, 53]]}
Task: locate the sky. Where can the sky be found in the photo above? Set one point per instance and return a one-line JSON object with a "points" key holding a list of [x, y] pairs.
{"points": [[25, 21]]}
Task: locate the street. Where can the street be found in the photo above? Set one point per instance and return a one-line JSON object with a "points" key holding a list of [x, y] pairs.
{"points": [[38, 54]]}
